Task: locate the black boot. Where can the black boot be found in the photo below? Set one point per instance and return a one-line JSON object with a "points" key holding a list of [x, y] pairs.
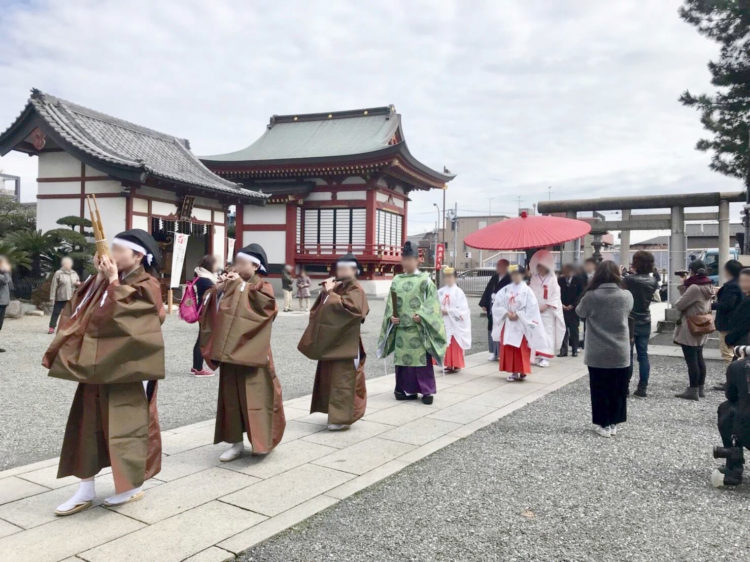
{"points": [[701, 391], [691, 393], [641, 391], [427, 399], [403, 396]]}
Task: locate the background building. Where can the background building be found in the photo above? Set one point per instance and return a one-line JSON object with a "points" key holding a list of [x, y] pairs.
{"points": [[10, 186], [141, 178], [338, 182]]}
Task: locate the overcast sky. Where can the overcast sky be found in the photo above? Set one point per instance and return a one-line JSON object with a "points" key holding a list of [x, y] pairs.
{"points": [[512, 96]]}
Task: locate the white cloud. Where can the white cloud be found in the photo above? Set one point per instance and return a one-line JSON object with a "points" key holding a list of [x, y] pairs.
{"points": [[513, 96]]}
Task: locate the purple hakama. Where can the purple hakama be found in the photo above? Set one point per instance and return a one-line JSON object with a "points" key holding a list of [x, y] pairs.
{"points": [[416, 380]]}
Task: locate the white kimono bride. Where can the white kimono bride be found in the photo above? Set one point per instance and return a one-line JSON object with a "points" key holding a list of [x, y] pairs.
{"points": [[547, 292], [519, 299]]}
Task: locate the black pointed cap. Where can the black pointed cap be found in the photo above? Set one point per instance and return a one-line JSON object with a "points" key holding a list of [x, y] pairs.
{"points": [[143, 239], [409, 251], [257, 251], [348, 259]]}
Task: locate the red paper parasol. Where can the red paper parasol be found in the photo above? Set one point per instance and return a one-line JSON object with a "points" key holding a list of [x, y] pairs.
{"points": [[525, 232]]}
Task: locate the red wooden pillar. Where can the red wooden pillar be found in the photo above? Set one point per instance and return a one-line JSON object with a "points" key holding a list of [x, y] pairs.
{"points": [[239, 208], [291, 232]]}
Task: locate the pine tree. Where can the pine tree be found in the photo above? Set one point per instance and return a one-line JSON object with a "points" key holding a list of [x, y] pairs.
{"points": [[726, 112]]}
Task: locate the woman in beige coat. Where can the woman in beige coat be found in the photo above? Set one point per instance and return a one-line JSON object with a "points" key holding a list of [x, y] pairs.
{"points": [[697, 292]]}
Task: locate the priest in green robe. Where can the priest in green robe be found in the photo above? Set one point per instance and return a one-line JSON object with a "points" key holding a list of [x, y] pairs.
{"points": [[413, 330]]}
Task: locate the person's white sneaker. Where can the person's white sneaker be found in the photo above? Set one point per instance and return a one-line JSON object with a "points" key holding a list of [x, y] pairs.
{"points": [[337, 427], [491, 357], [234, 452], [613, 430], [81, 500], [602, 431], [126, 497], [542, 362]]}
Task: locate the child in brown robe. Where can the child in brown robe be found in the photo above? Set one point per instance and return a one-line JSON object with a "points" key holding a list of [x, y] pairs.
{"points": [[332, 337], [236, 326], [109, 340]]}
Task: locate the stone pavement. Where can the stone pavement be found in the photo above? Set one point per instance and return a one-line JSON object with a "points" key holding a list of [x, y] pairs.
{"points": [[199, 509]]}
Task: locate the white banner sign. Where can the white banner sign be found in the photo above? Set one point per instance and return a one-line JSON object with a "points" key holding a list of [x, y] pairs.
{"points": [[230, 250], [178, 258]]}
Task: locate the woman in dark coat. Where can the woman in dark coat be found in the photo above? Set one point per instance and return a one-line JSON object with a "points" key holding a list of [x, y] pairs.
{"points": [[728, 299], [605, 306], [206, 278]]}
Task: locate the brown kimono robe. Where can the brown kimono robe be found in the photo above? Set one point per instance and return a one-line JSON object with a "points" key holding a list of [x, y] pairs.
{"points": [[236, 334], [109, 341], [332, 337]]}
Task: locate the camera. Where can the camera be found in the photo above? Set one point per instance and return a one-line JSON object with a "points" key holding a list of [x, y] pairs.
{"points": [[732, 454]]}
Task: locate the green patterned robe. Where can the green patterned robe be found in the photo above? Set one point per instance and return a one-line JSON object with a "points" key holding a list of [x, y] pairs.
{"points": [[410, 341]]}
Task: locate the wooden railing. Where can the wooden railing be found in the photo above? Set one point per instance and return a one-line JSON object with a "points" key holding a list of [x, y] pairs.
{"points": [[384, 252]]}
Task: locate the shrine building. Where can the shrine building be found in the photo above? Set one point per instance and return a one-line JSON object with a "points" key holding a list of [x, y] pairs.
{"points": [[141, 178], [337, 182]]}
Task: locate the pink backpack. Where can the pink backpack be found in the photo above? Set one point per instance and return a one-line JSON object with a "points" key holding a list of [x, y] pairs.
{"points": [[190, 310]]}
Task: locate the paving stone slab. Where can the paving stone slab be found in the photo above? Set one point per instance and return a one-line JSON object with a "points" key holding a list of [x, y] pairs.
{"points": [[212, 554], [275, 525], [366, 480], [463, 412], [173, 443], [8, 528], [420, 431], [285, 456], [365, 455], [296, 429], [400, 413], [185, 493], [286, 490], [191, 461], [47, 477], [421, 452], [14, 488], [27, 468], [176, 538], [66, 536], [39, 509], [359, 431]]}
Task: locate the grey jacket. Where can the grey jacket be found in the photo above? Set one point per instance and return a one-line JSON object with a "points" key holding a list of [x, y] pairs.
{"points": [[63, 285], [606, 311], [6, 285]]}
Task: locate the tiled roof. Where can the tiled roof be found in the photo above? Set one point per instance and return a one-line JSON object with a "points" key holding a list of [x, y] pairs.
{"points": [[316, 138], [113, 145]]}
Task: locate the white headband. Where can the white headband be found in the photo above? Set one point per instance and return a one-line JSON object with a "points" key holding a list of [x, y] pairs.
{"points": [[253, 259], [135, 247], [347, 263]]}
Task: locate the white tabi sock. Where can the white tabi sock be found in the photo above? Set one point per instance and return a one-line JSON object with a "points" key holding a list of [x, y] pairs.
{"points": [[124, 497], [233, 452], [85, 493]]}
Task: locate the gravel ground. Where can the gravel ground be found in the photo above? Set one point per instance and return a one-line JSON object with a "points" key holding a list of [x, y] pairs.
{"points": [[539, 485], [34, 407]]}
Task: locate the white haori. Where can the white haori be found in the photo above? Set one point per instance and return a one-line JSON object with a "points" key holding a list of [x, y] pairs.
{"points": [[520, 299], [458, 318]]}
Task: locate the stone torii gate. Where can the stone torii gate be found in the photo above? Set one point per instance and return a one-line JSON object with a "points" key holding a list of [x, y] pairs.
{"points": [[674, 221]]}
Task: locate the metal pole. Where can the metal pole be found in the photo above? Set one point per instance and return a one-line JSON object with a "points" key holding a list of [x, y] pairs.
{"points": [[625, 241], [723, 237], [677, 260]]}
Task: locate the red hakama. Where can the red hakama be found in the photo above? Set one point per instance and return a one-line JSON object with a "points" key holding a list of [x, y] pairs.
{"points": [[454, 356], [514, 359]]}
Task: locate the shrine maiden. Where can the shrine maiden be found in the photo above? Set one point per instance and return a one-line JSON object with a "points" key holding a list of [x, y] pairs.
{"points": [[413, 330], [457, 319], [333, 338], [236, 322], [517, 326], [547, 292], [109, 341]]}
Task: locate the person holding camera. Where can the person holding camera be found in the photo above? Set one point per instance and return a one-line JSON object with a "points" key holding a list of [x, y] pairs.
{"points": [[694, 326], [734, 421]]}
